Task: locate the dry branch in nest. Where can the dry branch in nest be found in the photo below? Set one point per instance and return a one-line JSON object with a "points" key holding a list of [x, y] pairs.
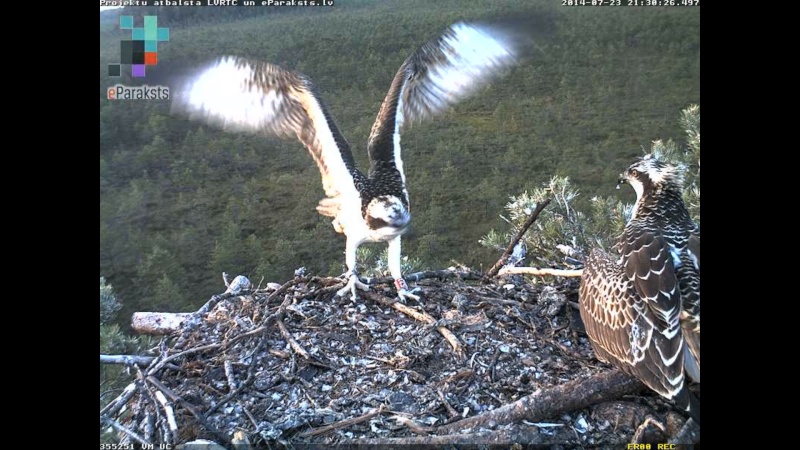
{"points": [[294, 365], [157, 323], [422, 317], [553, 401], [504, 258], [127, 360], [541, 272]]}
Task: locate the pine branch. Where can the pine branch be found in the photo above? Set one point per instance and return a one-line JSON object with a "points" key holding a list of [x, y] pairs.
{"points": [[500, 262]]}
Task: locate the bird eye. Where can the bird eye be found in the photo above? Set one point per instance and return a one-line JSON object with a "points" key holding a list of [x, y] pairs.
{"points": [[634, 172]]}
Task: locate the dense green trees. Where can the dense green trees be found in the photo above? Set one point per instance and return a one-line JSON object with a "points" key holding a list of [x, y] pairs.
{"points": [[179, 203]]}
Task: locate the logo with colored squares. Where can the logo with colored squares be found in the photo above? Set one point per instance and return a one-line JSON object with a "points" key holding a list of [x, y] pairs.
{"points": [[142, 49]]}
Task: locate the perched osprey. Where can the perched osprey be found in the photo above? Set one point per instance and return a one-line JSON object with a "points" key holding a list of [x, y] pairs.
{"points": [[642, 311], [243, 95]]}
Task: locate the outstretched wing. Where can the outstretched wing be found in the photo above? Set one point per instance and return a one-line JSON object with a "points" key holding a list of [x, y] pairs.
{"points": [[435, 77], [242, 95]]}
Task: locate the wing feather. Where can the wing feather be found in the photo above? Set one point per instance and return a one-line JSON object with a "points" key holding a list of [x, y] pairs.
{"points": [[690, 319], [625, 329], [238, 94], [434, 78]]}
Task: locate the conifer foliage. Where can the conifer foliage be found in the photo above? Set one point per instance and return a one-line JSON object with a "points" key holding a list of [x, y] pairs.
{"points": [[563, 234]]}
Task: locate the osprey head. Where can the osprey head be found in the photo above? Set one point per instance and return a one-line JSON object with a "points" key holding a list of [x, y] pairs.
{"points": [[387, 211], [649, 174]]}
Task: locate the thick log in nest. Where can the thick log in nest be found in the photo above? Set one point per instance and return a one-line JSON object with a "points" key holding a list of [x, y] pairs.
{"points": [[492, 364]]}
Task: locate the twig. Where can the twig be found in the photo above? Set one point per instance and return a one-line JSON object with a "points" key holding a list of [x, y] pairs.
{"points": [[688, 434], [212, 302], [492, 365], [541, 272], [499, 301], [278, 353], [191, 408], [329, 289], [492, 439], [253, 332], [250, 416], [173, 425], [555, 400], [343, 423], [283, 289], [450, 411], [115, 405], [228, 366], [164, 361], [145, 394], [534, 215], [291, 340], [421, 316], [149, 425], [426, 274], [122, 429], [126, 359], [414, 426], [250, 371]]}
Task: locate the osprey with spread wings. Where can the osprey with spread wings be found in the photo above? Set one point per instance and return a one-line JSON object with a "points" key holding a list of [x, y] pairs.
{"points": [[239, 94]]}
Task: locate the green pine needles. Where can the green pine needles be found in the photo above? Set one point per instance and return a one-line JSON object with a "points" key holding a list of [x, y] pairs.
{"points": [[562, 235]]}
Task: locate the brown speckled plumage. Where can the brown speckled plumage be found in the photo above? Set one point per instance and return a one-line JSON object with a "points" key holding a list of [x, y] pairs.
{"points": [[642, 310]]}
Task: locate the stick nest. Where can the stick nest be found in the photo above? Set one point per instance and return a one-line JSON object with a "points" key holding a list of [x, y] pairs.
{"points": [[296, 365]]}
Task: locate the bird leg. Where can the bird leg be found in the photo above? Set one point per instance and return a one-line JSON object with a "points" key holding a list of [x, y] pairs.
{"points": [[394, 267], [353, 282], [403, 292], [351, 286]]}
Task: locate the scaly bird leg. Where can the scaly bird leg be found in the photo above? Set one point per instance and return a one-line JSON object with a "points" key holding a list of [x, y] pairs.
{"points": [[394, 267], [351, 286], [353, 282]]}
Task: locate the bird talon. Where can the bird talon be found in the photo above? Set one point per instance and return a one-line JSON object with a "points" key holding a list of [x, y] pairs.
{"points": [[352, 284], [403, 292]]}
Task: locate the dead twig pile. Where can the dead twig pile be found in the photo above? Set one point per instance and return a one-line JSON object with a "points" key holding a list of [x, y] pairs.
{"points": [[491, 364]]}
